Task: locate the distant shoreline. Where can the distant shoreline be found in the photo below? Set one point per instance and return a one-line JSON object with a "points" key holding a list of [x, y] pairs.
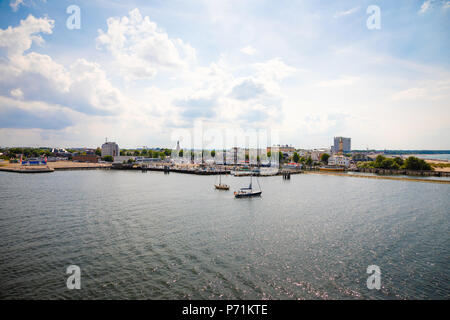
{"points": [[379, 177]]}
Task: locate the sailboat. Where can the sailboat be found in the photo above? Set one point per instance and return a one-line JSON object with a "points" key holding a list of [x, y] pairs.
{"points": [[248, 192], [221, 186]]}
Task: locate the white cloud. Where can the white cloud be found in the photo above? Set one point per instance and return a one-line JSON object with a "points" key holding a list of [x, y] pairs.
{"points": [[17, 93], [341, 81], [446, 5], [19, 39], [345, 13], [141, 49], [82, 96], [15, 4], [425, 6], [34, 76], [249, 50], [426, 91]]}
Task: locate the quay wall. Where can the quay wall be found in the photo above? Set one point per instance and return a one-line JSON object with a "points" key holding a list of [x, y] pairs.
{"points": [[423, 173]]}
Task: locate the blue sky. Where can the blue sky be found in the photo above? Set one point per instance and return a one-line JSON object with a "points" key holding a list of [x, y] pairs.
{"points": [[141, 72]]}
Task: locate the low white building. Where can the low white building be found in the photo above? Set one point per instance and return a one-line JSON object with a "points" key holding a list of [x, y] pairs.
{"points": [[121, 159], [337, 160]]}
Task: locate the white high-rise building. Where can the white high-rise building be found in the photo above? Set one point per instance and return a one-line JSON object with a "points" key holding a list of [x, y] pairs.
{"points": [[110, 149]]}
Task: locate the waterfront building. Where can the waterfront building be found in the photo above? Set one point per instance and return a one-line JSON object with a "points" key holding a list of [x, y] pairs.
{"points": [[144, 160], [341, 144], [283, 148], [361, 157], [121, 159], [110, 149], [92, 158], [315, 155], [338, 160]]}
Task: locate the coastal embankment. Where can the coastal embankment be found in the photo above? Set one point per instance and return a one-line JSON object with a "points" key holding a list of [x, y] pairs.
{"points": [[384, 177], [53, 166]]}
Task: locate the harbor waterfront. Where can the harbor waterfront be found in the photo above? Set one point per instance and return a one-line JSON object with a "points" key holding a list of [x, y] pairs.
{"points": [[159, 236]]}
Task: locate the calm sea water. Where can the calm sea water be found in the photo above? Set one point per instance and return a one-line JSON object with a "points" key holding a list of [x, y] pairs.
{"points": [[434, 156], [156, 236]]}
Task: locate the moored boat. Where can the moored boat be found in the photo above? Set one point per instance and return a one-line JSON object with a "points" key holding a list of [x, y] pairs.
{"points": [[248, 192], [221, 186]]}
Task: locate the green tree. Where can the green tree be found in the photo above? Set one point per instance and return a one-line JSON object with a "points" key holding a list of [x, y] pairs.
{"points": [[387, 163], [296, 157], [98, 151], [378, 160], [280, 156], [180, 154], [213, 153], [144, 152], [108, 158], [399, 161], [413, 163], [269, 154], [309, 161], [324, 157], [136, 153]]}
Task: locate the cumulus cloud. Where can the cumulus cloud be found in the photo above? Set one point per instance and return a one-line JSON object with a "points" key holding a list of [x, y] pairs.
{"points": [[79, 96], [34, 76], [19, 39], [141, 49]]}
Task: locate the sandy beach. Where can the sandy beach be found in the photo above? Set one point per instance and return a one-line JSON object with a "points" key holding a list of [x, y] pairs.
{"points": [[435, 164]]}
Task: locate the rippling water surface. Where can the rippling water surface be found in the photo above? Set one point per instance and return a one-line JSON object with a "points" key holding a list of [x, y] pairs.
{"points": [[156, 236]]}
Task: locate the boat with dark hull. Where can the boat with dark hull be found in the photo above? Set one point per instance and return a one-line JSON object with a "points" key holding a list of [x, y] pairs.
{"points": [[249, 191]]}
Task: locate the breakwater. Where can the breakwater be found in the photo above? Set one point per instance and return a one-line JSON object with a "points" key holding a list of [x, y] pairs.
{"points": [[27, 170], [381, 177], [423, 173], [168, 169]]}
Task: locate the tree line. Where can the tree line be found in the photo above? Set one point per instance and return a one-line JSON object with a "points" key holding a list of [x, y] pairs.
{"points": [[397, 163]]}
